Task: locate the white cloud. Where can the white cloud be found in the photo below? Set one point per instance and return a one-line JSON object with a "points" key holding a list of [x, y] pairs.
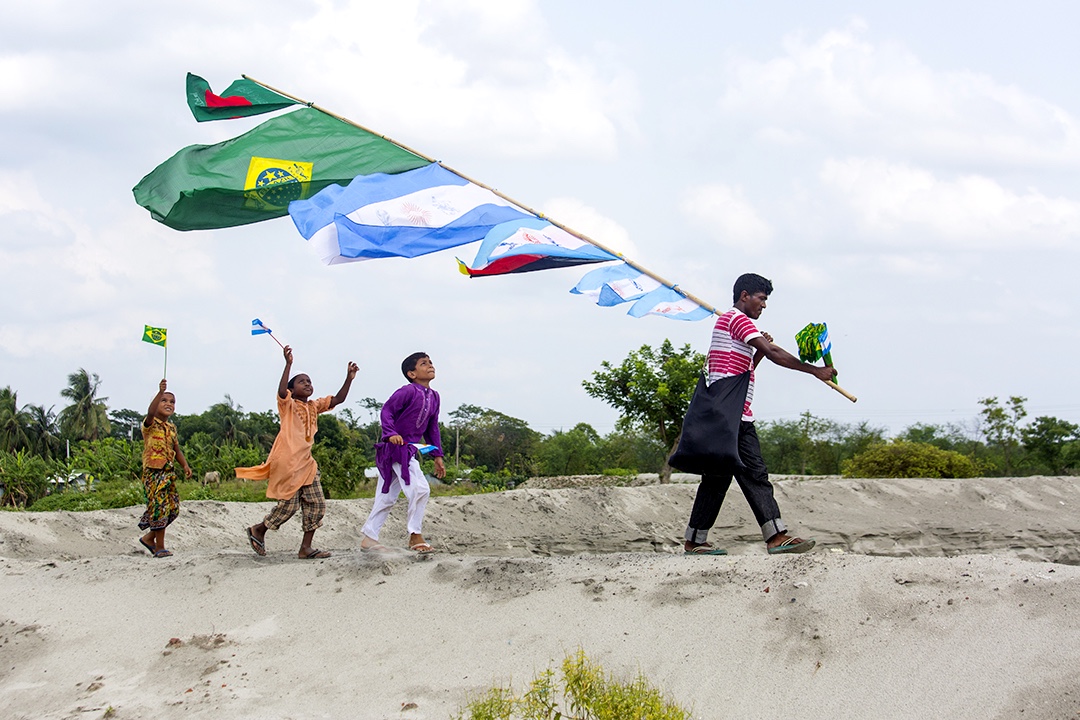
{"points": [[727, 216], [587, 220], [841, 87], [897, 203], [503, 87]]}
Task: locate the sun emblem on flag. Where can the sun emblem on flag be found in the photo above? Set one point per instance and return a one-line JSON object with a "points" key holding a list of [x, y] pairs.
{"points": [[415, 215]]}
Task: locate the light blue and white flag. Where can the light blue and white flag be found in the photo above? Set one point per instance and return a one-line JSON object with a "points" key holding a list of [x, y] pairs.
{"points": [[529, 245], [670, 303], [405, 215], [615, 284]]}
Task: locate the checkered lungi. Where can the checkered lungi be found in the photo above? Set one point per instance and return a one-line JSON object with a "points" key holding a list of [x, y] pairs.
{"points": [[308, 499]]}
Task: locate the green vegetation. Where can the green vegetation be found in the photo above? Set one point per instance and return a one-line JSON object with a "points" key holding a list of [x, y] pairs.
{"points": [[587, 693], [88, 449], [903, 459], [652, 389]]}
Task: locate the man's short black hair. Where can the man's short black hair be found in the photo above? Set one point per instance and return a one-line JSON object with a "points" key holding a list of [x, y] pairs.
{"points": [[751, 283], [409, 363]]}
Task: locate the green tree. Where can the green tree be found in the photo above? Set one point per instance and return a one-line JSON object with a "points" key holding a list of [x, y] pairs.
{"points": [[652, 389], [125, 424], [1045, 439], [493, 440], [87, 417], [14, 423], [44, 431], [1001, 427], [571, 452]]}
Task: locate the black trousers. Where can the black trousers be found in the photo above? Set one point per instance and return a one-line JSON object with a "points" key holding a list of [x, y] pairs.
{"points": [[753, 479]]}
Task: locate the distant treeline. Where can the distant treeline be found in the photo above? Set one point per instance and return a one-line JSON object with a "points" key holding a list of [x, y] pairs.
{"points": [[40, 448]]}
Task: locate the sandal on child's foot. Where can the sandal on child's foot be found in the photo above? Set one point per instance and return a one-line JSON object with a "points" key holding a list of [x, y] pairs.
{"points": [[422, 548]]}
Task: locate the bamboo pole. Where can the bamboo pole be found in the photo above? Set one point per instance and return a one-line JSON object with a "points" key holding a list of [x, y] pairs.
{"points": [[666, 283], [663, 281]]}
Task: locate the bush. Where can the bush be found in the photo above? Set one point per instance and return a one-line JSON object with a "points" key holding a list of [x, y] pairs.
{"points": [[903, 459], [588, 692], [24, 478], [104, 496], [107, 459]]}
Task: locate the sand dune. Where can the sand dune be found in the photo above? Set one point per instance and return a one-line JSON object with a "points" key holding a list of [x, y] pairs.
{"points": [[925, 599]]}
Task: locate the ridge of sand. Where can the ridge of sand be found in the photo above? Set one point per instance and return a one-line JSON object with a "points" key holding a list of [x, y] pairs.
{"points": [[927, 598]]}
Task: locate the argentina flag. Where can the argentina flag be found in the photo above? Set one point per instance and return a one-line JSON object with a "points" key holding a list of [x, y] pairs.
{"points": [[404, 215]]}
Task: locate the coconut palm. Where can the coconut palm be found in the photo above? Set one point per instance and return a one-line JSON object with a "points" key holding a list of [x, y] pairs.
{"points": [[87, 417], [43, 431], [13, 422]]}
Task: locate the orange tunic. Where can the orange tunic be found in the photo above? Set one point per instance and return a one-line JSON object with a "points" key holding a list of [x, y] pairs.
{"points": [[290, 465]]}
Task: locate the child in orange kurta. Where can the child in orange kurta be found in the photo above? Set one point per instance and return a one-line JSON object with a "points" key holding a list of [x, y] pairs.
{"points": [[290, 468]]}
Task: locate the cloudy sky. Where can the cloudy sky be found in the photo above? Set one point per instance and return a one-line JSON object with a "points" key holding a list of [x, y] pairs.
{"points": [[906, 173]]}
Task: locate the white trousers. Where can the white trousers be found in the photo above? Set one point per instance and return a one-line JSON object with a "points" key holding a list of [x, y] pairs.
{"points": [[416, 494]]}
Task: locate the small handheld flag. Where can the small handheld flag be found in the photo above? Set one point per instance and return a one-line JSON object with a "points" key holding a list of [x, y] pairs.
{"points": [[155, 336], [814, 344], [158, 336], [257, 328]]}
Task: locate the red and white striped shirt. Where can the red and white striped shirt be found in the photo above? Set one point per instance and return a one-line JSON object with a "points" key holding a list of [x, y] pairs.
{"points": [[730, 352]]}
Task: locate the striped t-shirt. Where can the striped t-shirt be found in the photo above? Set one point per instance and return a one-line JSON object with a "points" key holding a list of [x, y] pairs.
{"points": [[730, 352]]}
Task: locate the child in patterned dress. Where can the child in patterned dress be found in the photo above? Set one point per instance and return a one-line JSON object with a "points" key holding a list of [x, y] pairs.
{"points": [[160, 447]]}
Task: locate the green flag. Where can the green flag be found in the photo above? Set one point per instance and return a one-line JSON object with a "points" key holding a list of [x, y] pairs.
{"points": [[155, 336], [255, 176], [241, 99]]}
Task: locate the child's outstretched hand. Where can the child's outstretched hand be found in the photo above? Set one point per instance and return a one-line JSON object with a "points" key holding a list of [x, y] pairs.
{"points": [[287, 350], [767, 336], [353, 369], [162, 385], [396, 440]]}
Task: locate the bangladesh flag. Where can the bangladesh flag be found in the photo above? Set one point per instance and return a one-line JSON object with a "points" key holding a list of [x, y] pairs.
{"points": [[255, 176], [241, 99]]}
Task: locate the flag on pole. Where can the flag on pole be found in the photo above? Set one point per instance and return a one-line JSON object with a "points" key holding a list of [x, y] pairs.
{"points": [[254, 176], [155, 336], [241, 99], [615, 284], [670, 303], [530, 245], [257, 328], [814, 344], [405, 215]]}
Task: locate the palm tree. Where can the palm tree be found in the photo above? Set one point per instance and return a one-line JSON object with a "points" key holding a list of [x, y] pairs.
{"points": [[87, 417], [43, 430], [13, 422]]}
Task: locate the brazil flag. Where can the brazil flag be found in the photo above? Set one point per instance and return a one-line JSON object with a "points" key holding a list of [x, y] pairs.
{"points": [[255, 176]]}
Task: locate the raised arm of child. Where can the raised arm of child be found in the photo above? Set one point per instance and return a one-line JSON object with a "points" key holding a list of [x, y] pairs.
{"points": [[283, 386], [151, 412], [343, 393]]}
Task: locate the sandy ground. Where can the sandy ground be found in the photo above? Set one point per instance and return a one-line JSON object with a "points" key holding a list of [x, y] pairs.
{"points": [[924, 599]]}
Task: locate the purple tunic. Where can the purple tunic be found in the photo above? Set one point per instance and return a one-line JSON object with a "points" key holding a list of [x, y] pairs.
{"points": [[413, 413]]}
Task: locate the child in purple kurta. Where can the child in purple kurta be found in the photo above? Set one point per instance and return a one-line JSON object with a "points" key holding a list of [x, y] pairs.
{"points": [[409, 418]]}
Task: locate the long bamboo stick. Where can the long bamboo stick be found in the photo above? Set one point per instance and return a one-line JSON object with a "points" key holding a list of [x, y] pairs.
{"points": [[523, 206], [644, 270]]}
